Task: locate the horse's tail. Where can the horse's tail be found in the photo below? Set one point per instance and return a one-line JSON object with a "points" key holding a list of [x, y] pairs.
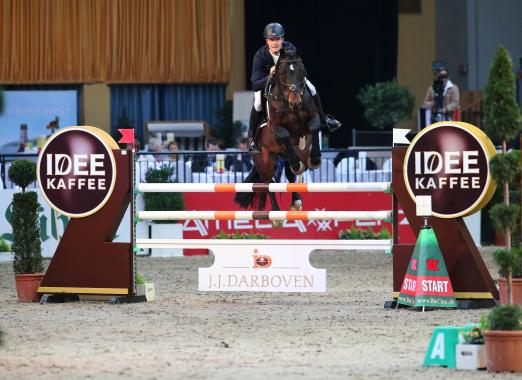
{"points": [[254, 200]]}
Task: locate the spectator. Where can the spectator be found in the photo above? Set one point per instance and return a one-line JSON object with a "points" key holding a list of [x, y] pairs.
{"points": [[442, 97], [202, 161], [173, 148], [155, 146], [240, 162]]}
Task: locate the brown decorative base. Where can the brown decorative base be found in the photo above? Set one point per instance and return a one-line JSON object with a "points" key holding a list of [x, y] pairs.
{"points": [[27, 285], [503, 350]]}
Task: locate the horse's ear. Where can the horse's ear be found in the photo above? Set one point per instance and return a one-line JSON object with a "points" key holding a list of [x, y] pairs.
{"points": [[289, 53]]}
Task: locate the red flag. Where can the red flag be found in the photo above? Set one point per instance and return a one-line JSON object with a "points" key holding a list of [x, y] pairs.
{"points": [[127, 136]]}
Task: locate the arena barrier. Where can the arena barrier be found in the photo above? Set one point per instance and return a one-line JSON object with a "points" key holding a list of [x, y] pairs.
{"points": [[87, 261]]}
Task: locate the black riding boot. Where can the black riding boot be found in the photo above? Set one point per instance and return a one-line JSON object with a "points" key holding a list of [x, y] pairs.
{"points": [[255, 118], [319, 106], [327, 121]]}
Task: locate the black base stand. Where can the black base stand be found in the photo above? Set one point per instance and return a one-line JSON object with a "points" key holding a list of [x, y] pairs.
{"points": [[127, 299], [476, 304], [62, 298], [59, 298]]}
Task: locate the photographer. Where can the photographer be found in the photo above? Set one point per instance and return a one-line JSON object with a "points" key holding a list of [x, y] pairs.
{"points": [[442, 97]]}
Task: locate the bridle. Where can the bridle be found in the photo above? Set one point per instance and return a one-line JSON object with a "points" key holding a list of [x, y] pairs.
{"points": [[293, 87]]}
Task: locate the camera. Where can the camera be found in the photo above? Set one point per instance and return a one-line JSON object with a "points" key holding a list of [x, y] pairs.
{"points": [[437, 113]]}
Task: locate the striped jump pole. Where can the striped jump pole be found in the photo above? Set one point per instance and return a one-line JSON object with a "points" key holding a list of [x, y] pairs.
{"points": [[261, 187], [263, 215]]}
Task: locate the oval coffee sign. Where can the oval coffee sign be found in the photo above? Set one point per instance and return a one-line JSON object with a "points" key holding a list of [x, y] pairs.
{"points": [[449, 161], [76, 170]]}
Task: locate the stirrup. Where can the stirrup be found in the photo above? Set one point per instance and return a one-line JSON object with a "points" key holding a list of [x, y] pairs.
{"points": [[253, 147], [332, 123]]}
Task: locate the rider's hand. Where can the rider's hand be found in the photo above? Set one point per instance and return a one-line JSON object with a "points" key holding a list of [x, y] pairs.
{"points": [[272, 71]]}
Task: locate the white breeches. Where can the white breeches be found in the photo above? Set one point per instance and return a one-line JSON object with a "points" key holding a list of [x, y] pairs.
{"points": [[258, 98]]}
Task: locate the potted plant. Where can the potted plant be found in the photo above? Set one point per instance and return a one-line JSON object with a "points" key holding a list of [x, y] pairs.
{"points": [[386, 104], [502, 120], [26, 247], [144, 288], [164, 229], [503, 339], [470, 354], [503, 336]]}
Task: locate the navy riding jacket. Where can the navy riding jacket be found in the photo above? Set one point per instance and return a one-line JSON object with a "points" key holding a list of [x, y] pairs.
{"points": [[263, 61]]}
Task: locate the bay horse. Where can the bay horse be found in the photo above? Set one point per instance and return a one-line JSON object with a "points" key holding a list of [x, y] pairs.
{"points": [[291, 134]]}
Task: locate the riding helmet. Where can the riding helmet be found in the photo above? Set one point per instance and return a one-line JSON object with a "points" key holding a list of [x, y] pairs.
{"points": [[274, 30]]}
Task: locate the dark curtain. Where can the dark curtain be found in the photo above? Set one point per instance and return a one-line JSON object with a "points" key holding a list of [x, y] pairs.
{"points": [[143, 103], [344, 45]]}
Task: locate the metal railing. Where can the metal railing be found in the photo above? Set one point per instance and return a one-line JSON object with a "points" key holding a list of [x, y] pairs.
{"points": [[233, 166]]}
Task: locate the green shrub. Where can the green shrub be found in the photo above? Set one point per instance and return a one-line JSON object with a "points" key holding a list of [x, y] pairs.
{"points": [[505, 318], [26, 246], [162, 201], [140, 280], [473, 336], [4, 247], [355, 233], [504, 216], [384, 234], [505, 168], [386, 103], [22, 173], [238, 235], [1, 338]]}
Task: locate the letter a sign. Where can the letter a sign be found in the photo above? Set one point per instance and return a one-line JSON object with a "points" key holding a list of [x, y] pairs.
{"points": [[426, 282]]}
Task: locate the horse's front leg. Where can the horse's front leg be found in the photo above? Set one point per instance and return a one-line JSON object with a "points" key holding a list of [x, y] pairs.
{"points": [[314, 161], [283, 137], [297, 201]]}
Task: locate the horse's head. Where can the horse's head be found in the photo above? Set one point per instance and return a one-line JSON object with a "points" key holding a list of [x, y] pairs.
{"points": [[291, 76]]}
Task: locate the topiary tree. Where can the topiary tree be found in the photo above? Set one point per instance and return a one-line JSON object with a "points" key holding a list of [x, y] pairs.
{"points": [[502, 121], [386, 103], [27, 246], [162, 201]]}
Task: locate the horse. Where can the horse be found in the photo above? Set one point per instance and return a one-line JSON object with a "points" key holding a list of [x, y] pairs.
{"points": [[291, 134]]}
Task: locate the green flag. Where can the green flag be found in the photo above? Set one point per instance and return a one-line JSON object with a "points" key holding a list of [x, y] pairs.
{"points": [[426, 282]]}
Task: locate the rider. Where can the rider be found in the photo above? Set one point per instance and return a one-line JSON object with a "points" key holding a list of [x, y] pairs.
{"points": [[263, 68]]}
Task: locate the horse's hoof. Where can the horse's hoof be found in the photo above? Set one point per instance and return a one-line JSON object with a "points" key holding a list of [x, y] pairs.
{"points": [[277, 223], [296, 205], [300, 170], [314, 162]]}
